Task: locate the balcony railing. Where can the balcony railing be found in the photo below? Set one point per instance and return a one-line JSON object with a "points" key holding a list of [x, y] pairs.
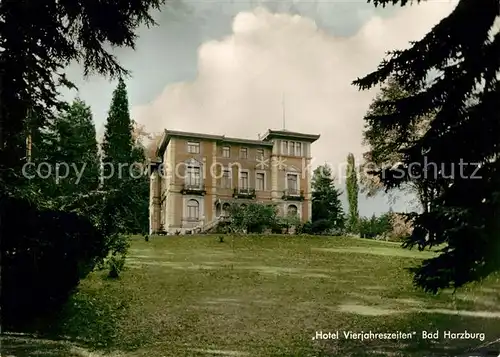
{"points": [[244, 192], [193, 188], [291, 194]]}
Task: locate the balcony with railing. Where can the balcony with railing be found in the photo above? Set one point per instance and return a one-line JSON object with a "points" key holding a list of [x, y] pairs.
{"points": [[193, 188], [291, 194], [244, 192]]}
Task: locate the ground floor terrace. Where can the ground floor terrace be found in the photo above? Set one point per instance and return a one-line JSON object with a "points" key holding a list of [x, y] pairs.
{"points": [[186, 212]]}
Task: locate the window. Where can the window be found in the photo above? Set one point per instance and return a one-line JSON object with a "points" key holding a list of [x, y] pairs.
{"points": [[226, 151], [193, 210], [226, 208], [298, 149], [259, 154], [260, 181], [285, 148], [292, 183], [193, 177], [243, 180], [193, 147], [226, 179], [292, 210], [292, 148], [244, 153]]}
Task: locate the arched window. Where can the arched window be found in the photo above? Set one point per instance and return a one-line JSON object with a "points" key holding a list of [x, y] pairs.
{"points": [[292, 210], [226, 207], [193, 209]]}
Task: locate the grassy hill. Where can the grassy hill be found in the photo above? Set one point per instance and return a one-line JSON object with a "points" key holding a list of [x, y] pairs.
{"points": [[269, 296]]}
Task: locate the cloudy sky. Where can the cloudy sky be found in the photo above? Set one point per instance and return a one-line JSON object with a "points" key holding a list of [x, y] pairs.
{"points": [[223, 67]]}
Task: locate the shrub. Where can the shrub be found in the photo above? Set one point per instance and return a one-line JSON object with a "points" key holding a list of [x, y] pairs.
{"points": [[45, 253], [321, 226], [375, 226], [116, 263], [118, 246], [254, 218], [290, 222], [276, 229], [305, 228]]}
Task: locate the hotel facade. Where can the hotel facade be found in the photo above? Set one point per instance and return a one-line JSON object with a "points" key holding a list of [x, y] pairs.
{"points": [[197, 177]]}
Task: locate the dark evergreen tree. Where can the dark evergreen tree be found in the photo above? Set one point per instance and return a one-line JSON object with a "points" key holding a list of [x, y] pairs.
{"points": [[65, 153], [352, 194], [460, 150], [69, 144], [327, 209], [79, 146], [124, 163], [118, 143]]}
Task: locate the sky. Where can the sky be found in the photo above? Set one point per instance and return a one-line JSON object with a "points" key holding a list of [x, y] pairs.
{"points": [[238, 67]]}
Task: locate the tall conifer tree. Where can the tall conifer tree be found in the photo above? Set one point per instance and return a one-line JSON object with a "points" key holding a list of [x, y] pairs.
{"points": [[118, 143], [352, 193], [123, 163], [326, 205]]}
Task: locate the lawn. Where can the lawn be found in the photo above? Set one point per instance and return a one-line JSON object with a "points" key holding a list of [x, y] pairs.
{"points": [[267, 296]]}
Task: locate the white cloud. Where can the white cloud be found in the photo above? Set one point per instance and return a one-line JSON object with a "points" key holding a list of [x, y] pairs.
{"points": [[241, 78]]}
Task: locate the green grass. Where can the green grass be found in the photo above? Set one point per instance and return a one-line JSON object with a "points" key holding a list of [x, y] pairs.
{"points": [[267, 296]]}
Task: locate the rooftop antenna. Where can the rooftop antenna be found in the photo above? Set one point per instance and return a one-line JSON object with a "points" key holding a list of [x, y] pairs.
{"points": [[283, 110]]}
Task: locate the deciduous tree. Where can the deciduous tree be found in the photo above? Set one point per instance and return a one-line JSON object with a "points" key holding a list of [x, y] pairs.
{"points": [[385, 147]]}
